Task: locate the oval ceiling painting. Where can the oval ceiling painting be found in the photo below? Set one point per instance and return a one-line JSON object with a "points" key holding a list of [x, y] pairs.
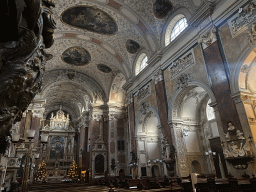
{"points": [[104, 68], [91, 19], [162, 8], [76, 56]]}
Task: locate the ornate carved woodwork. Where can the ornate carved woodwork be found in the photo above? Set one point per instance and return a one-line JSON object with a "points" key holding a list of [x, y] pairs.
{"points": [[22, 55]]}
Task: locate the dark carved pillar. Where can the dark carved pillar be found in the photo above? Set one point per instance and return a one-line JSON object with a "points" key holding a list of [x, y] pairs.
{"points": [[131, 114], [162, 106], [28, 30], [163, 115], [217, 72]]}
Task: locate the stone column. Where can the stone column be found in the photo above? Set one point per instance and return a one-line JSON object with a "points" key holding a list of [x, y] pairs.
{"points": [[37, 116], [83, 141], [162, 106], [218, 75], [117, 133], [98, 135], [133, 143], [28, 122], [163, 115]]}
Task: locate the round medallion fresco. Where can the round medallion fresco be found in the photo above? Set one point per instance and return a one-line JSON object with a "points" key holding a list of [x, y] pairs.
{"points": [[76, 56], [132, 46], [48, 56], [91, 19], [104, 68], [162, 8]]}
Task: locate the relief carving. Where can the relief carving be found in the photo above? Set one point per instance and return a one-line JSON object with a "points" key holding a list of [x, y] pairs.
{"points": [[181, 64], [144, 92], [245, 17], [144, 107], [22, 56], [183, 81], [252, 34], [158, 76], [208, 38]]}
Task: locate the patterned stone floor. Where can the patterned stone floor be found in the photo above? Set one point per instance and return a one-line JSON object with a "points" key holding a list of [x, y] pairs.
{"points": [[99, 189]]}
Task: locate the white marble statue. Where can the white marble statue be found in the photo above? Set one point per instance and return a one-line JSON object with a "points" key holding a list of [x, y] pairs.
{"points": [[227, 136], [231, 127], [239, 134], [235, 149]]}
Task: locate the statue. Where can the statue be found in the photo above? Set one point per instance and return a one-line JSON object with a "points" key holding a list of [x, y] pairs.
{"points": [[134, 156], [227, 136], [235, 149], [231, 127], [69, 147], [28, 29], [239, 134]]}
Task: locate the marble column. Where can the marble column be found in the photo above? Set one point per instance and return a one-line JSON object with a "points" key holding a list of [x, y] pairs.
{"points": [[218, 75], [98, 133], [117, 133], [162, 106], [133, 142]]}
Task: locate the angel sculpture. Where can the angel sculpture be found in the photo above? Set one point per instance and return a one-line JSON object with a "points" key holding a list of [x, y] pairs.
{"points": [[235, 149], [227, 136], [239, 134], [231, 127], [247, 147]]}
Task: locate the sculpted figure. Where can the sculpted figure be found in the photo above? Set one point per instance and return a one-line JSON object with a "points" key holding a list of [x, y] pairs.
{"points": [[239, 134], [227, 136], [28, 30], [231, 127]]}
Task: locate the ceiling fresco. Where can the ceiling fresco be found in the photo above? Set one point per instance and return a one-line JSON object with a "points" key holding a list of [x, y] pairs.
{"points": [[95, 41], [132, 46], [104, 68], [91, 19], [162, 8], [76, 56]]}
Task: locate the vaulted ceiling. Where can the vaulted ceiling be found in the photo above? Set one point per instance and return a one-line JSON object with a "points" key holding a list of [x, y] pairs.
{"points": [[93, 32]]}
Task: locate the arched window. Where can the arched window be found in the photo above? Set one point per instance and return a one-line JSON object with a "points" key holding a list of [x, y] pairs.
{"points": [[209, 111], [141, 63], [178, 28], [175, 27]]}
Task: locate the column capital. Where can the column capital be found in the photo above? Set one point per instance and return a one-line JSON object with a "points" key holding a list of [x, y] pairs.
{"points": [[97, 111], [158, 76], [37, 108], [130, 99], [208, 37]]}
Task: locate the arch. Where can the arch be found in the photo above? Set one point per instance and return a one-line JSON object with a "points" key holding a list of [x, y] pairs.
{"points": [[84, 81], [155, 171], [244, 90], [143, 51], [99, 163], [117, 93], [141, 115], [180, 93], [121, 173], [181, 11], [196, 167], [234, 77]]}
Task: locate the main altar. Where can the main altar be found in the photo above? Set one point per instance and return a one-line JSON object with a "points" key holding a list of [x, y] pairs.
{"points": [[59, 151]]}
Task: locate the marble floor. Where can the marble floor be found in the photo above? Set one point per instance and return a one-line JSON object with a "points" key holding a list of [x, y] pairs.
{"points": [[101, 189]]}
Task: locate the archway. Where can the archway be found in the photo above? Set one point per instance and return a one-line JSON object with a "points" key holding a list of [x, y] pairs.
{"points": [[194, 124], [155, 171], [121, 173], [247, 88], [196, 167], [149, 148], [99, 164]]}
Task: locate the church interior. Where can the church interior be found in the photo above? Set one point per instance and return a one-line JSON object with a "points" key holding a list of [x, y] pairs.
{"points": [[128, 95]]}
